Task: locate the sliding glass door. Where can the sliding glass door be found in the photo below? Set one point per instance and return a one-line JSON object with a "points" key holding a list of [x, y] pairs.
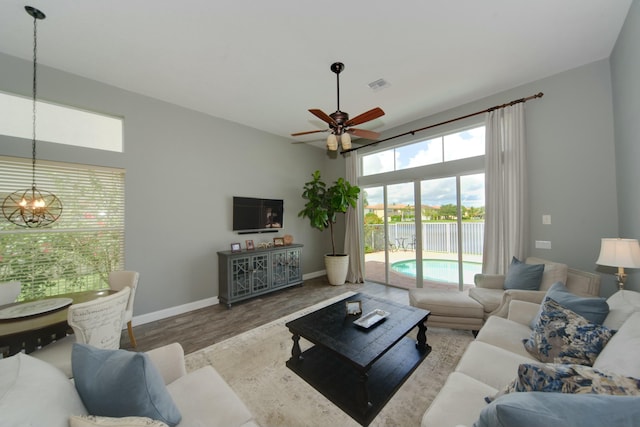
{"points": [[424, 211], [471, 226], [452, 230], [390, 235], [437, 245]]}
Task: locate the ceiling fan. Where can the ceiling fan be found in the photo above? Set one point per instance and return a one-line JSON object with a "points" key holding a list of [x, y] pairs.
{"points": [[339, 122]]}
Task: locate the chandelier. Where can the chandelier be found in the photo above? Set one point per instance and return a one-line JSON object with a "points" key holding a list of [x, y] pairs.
{"points": [[32, 207]]}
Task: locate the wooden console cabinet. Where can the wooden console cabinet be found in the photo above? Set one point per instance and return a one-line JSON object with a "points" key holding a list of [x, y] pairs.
{"points": [[246, 274]]}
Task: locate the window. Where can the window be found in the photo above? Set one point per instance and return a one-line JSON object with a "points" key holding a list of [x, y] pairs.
{"points": [[78, 251], [59, 124], [460, 145], [424, 211]]}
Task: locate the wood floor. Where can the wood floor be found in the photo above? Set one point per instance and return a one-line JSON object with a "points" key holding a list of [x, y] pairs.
{"points": [[201, 328]]}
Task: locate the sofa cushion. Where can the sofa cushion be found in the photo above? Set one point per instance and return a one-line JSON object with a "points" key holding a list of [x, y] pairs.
{"points": [[119, 383], [205, 399], [622, 304], [35, 393], [621, 353], [505, 334], [491, 365], [489, 298], [594, 309], [95, 421], [525, 276], [458, 402], [570, 378], [553, 409], [563, 336], [553, 273]]}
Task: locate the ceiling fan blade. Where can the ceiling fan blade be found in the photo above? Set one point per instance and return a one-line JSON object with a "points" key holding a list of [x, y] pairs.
{"points": [[307, 132], [323, 116], [363, 133], [365, 117]]}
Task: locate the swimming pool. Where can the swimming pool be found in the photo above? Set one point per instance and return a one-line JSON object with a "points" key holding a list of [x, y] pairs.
{"points": [[441, 270]]}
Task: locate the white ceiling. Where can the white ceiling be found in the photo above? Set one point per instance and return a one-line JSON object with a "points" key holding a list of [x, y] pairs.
{"points": [[265, 63]]}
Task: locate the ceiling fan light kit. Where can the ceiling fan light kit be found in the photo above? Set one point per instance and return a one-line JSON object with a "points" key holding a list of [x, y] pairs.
{"points": [[339, 122], [332, 143]]}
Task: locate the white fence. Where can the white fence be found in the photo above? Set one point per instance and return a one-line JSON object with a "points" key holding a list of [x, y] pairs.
{"points": [[436, 237]]}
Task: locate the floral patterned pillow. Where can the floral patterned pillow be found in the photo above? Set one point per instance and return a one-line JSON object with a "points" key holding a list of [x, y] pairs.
{"points": [[563, 336], [565, 378]]}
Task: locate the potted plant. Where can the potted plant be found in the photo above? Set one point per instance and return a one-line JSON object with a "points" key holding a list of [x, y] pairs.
{"points": [[323, 205]]}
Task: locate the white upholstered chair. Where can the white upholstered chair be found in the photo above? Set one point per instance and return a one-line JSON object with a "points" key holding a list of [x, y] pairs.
{"points": [[97, 322], [9, 292], [119, 280]]}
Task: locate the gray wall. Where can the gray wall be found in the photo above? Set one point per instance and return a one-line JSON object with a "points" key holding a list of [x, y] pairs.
{"points": [[173, 155], [571, 164], [183, 168], [625, 72]]}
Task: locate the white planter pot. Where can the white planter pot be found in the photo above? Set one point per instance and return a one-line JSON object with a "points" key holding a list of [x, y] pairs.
{"points": [[337, 268]]}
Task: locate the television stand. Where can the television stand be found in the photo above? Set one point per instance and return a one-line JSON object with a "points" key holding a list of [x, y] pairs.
{"points": [[249, 273]]}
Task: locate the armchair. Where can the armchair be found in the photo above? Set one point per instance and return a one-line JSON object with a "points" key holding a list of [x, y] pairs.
{"points": [[9, 292], [97, 322], [490, 292], [119, 280]]}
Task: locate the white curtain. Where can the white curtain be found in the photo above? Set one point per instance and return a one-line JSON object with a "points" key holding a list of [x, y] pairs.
{"points": [[506, 210], [353, 229]]}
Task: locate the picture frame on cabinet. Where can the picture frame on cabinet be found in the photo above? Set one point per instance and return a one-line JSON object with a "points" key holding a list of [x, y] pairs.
{"points": [[250, 245], [354, 307], [235, 247], [278, 241]]}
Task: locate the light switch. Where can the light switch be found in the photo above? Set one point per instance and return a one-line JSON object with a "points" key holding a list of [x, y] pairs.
{"points": [[546, 219]]}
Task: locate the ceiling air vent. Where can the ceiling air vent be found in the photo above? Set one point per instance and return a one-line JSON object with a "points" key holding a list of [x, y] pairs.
{"points": [[379, 84]]}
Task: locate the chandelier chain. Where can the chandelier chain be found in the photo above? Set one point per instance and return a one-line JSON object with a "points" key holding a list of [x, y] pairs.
{"points": [[35, 92]]}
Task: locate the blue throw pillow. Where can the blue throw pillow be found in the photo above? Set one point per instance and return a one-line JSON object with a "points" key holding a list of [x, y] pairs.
{"points": [[594, 309], [539, 409], [119, 383], [523, 276]]}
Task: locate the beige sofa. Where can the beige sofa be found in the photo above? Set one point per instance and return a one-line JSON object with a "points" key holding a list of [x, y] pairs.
{"points": [[491, 361], [35, 393]]}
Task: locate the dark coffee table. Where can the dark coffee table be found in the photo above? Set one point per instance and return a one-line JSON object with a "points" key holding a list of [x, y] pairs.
{"points": [[357, 368]]}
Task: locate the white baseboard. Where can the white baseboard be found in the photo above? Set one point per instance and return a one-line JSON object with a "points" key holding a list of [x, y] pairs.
{"points": [[314, 274], [185, 308], [174, 311]]}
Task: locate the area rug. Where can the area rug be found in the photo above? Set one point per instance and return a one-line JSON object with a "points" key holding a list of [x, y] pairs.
{"points": [[253, 364]]}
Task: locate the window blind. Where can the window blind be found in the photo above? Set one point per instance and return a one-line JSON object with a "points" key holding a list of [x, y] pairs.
{"points": [[78, 251]]}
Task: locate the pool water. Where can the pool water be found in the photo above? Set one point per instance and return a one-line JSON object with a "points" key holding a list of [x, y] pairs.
{"points": [[441, 270]]}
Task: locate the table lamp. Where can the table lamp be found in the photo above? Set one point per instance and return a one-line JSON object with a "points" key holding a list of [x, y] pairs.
{"points": [[620, 253]]}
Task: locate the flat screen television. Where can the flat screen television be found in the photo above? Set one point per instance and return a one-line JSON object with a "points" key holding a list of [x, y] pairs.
{"points": [[252, 214]]}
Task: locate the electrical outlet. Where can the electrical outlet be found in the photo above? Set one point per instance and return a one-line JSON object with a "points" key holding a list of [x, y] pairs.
{"points": [[546, 219], [543, 244]]}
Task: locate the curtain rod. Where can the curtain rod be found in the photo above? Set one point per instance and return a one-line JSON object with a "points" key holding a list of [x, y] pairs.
{"points": [[413, 132]]}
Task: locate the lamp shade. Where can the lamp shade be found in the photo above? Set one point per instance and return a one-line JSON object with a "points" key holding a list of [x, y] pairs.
{"points": [[346, 141], [619, 253], [332, 143]]}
